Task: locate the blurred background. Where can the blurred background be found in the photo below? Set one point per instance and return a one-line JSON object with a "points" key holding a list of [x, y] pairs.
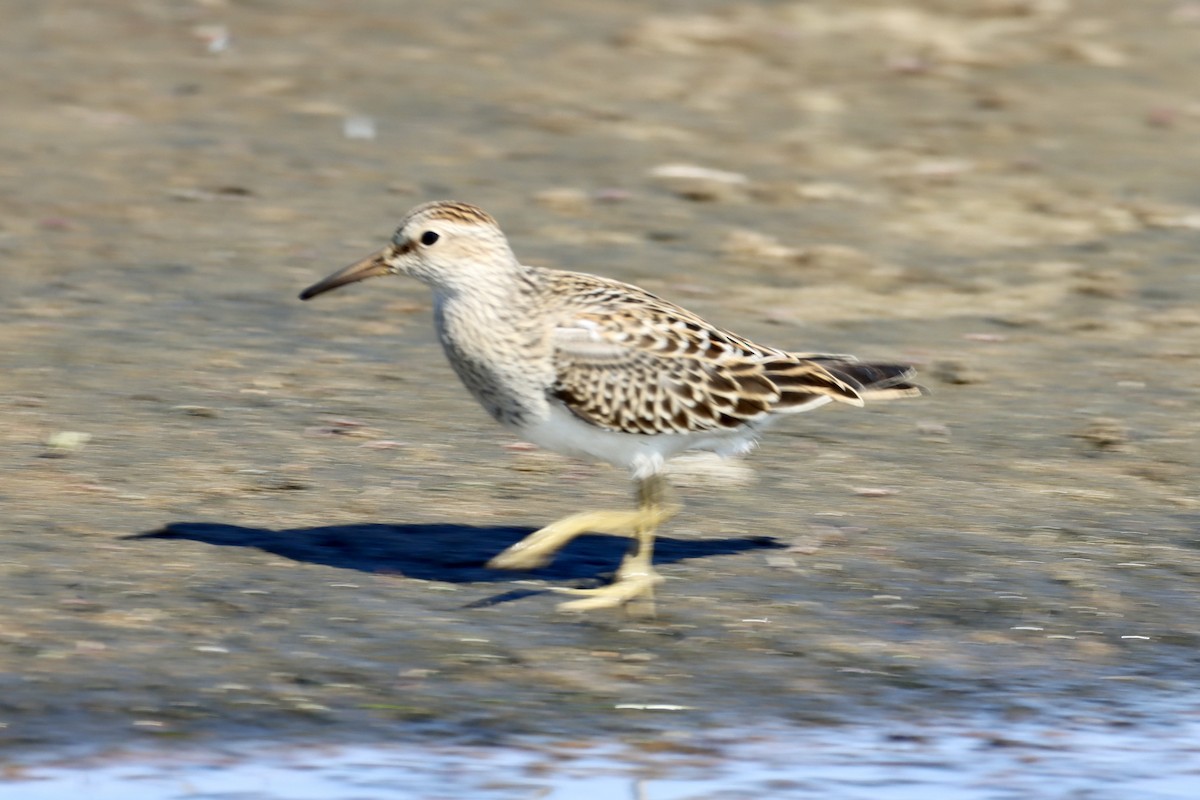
{"points": [[231, 516]]}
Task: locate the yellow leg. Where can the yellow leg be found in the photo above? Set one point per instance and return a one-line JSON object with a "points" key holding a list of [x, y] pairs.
{"points": [[636, 578], [538, 548]]}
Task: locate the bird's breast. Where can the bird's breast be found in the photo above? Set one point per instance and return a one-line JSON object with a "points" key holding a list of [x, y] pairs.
{"points": [[505, 365]]}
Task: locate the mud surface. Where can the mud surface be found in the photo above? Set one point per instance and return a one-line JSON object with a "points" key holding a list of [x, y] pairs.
{"points": [[231, 514]]}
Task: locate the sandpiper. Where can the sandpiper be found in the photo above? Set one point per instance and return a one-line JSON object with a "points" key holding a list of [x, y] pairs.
{"points": [[599, 369]]}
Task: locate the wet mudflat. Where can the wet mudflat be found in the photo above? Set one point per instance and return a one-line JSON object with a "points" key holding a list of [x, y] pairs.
{"points": [[231, 515]]}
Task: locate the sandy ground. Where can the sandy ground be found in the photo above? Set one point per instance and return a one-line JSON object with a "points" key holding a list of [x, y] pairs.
{"points": [[1001, 191]]}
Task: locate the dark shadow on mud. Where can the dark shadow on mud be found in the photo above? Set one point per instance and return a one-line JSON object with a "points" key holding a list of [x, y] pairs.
{"points": [[451, 553]]}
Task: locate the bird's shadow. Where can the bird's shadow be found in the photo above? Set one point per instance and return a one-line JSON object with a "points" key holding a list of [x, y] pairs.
{"points": [[443, 552]]}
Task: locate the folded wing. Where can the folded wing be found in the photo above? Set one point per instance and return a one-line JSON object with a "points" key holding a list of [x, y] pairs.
{"points": [[629, 361]]}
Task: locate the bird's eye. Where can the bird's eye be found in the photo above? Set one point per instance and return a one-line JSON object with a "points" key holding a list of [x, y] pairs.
{"points": [[429, 237]]}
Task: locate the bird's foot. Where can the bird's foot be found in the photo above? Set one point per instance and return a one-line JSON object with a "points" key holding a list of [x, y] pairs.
{"points": [[632, 590]]}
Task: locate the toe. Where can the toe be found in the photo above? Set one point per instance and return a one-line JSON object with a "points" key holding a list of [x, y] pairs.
{"points": [[626, 590], [518, 559]]}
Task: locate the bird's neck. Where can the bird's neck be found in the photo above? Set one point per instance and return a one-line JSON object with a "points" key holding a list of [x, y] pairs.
{"points": [[487, 299], [491, 312]]}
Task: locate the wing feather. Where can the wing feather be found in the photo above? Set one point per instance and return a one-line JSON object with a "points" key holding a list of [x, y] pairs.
{"points": [[629, 361]]}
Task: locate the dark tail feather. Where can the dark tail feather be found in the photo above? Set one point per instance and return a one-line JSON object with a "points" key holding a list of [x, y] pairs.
{"points": [[878, 381]]}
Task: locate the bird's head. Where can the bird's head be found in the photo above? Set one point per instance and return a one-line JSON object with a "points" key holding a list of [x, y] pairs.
{"points": [[445, 244]]}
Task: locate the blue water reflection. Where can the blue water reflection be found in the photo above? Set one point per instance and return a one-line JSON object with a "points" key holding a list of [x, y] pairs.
{"points": [[1097, 762]]}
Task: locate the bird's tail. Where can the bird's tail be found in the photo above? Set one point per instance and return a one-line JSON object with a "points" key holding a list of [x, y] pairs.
{"points": [[806, 381], [876, 381]]}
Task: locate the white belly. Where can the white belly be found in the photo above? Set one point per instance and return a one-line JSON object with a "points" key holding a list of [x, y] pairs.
{"points": [[641, 454]]}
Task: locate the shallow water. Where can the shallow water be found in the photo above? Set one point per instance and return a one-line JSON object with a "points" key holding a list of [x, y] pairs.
{"points": [[869, 762]]}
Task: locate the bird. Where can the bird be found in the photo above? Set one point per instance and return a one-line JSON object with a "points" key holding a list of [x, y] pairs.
{"points": [[598, 369]]}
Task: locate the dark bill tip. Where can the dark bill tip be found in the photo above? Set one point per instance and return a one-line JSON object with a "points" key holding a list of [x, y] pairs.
{"points": [[372, 266]]}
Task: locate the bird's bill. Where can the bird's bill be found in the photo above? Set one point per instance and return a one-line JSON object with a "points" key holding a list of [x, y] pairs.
{"points": [[372, 266]]}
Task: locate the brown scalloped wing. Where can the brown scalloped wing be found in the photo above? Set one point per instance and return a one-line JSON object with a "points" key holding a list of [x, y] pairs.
{"points": [[629, 361]]}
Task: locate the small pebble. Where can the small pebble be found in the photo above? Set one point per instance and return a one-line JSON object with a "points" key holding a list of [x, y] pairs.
{"points": [[198, 411], [933, 429], [754, 246], [701, 184], [216, 38], [564, 200], [612, 195], [65, 442], [1162, 117], [955, 371], [1104, 433], [358, 127]]}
